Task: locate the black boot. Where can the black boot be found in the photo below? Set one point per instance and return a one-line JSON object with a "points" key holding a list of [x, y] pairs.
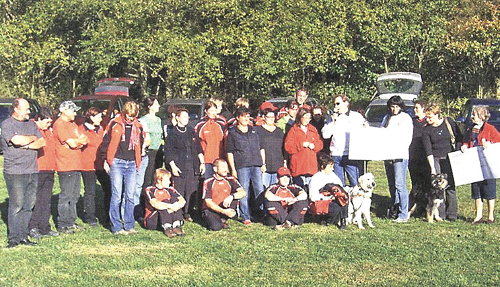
{"points": [[343, 224]]}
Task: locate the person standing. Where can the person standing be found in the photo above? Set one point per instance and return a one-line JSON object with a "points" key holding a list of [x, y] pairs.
{"points": [[39, 225], [244, 155], [69, 142], [152, 126], [183, 155], [401, 126], [286, 117], [20, 141], [122, 148]]}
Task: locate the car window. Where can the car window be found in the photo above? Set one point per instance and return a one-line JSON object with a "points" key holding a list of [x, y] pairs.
{"points": [[86, 104], [376, 113], [4, 112]]}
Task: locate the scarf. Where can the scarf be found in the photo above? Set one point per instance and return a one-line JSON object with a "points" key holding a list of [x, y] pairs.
{"points": [[134, 134]]}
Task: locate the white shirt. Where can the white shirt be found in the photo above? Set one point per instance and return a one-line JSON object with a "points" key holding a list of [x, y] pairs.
{"points": [[340, 129], [401, 126], [318, 181]]}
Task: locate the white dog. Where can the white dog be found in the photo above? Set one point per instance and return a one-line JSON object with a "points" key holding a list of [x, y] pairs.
{"points": [[361, 200]]}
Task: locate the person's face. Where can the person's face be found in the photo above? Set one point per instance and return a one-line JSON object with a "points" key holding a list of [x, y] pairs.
{"points": [[317, 114], [306, 118], [182, 119], [212, 112], [341, 106], [432, 118], [395, 109], [419, 111], [269, 118], [129, 118], [23, 110], [284, 180], [293, 111], [243, 120], [97, 119], [476, 118], [69, 114], [221, 168], [301, 97], [155, 107], [165, 181], [328, 168], [44, 124]]}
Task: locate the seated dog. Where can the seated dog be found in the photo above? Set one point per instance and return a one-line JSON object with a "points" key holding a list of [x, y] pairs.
{"points": [[361, 200], [439, 183]]}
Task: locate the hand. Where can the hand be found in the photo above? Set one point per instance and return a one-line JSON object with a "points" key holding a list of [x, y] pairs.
{"points": [[229, 212], [263, 168], [291, 200], [175, 170], [107, 168], [227, 201], [463, 148], [306, 144], [202, 168], [311, 146], [83, 139], [486, 143], [170, 210], [235, 174]]}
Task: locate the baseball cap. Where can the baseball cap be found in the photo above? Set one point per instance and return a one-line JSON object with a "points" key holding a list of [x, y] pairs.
{"points": [[68, 105], [283, 171], [267, 105]]}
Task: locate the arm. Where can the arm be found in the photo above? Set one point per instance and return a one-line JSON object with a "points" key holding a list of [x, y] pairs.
{"points": [[430, 159], [39, 143], [230, 161], [228, 211], [302, 195], [292, 145], [327, 130], [271, 196], [77, 143], [20, 140], [263, 156]]}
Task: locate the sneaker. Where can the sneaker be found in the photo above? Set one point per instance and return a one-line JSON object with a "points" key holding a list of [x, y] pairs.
{"points": [[120, 232], [12, 245], [188, 218], [178, 231], [169, 232], [279, 227], [287, 224], [131, 231], [27, 242], [76, 227], [92, 224], [247, 222], [35, 233], [51, 233], [400, 220]]}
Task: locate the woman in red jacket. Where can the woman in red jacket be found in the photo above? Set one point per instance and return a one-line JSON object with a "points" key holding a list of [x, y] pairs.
{"points": [[302, 142], [482, 134]]}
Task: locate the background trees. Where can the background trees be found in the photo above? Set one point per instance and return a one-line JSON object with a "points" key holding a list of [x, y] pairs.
{"points": [[54, 49]]}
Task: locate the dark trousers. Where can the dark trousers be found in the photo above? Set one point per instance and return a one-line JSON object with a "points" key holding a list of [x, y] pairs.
{"points": [[41, 212], [69, 182], [450, 208], [150, 169], [187, 184], [336, 212], [89, 184], [161, 220], [214, 220], [278, 213], [420, 183], [104, 181], [22, 196]]}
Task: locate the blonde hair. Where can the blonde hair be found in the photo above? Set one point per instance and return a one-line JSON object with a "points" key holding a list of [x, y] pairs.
{"points": [[242, 102], [482, 112], [433, 108], [130, 109], [160, 173]]}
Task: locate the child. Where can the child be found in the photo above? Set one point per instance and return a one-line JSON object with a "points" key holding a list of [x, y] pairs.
{"points": [[164, 206]]}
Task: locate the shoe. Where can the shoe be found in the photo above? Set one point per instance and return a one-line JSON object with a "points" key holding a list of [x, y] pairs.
{"points": [[279, 227], [169, 232], [247, 222], [476, 222], [75, 227], [131, 231], [120, 232], [27, 242], [12, 244], [35, 233], [51, 233], [65, 230], [490, 221], [400, 220], [225, 226], [188, 218], [343, 224], [92, 224], [287, 224], [178, 231]]}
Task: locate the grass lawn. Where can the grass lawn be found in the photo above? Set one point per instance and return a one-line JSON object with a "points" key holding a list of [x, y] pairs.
{"points": [[412, 254]]}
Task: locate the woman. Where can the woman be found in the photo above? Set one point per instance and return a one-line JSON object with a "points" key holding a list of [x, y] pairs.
{"points": [[183, 155], [244, 155], [271, 141], [153, 128], [482, 134], [336, 214], [440, 137], [39, 224], [343, 121], [91, 163], [302, 143], [122, 147], [400, 125]]}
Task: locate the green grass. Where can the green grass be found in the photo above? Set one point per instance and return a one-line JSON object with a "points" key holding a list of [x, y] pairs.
{"points": [[413, 254]]}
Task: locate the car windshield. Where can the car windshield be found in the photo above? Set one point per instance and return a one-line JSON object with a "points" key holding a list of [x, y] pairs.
{"points": [[4, 112], [376, 113], [86, 104], [401, 86], [494, 114]]}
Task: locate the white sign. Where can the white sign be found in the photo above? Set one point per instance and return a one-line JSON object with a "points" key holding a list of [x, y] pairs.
{"points": [[475, 164], [370, 143]]}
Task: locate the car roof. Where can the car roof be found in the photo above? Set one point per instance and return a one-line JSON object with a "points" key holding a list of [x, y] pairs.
{"points": [[185, 101], [483, 102], [383, 102], [7, 100], [98, 97]]}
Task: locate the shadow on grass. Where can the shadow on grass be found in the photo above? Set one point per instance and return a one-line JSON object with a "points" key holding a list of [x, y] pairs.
{"points": [[4, 210]]}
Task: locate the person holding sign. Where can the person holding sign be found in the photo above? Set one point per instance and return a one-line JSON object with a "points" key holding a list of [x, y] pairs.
{"points": [[440, 137], [482, 134]]}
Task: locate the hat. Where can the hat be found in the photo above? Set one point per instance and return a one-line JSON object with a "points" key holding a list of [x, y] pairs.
{"points": [[267, 105], [68, 105], [282, 171]]}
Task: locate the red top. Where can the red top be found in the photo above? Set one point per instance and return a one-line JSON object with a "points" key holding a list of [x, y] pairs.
{"points": [[219, 189], [114, 132], [90, 159], [487, 132], [303, 160], [67, 159], [166, 195], [211, 135], [47, 155]]}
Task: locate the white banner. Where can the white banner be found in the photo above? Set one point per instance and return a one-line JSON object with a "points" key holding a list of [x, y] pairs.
{"points": [[370, 143], [475, 164]]}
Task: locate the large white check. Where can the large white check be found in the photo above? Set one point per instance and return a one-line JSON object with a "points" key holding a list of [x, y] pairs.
{"points": [[370, 143], [475, 164]]}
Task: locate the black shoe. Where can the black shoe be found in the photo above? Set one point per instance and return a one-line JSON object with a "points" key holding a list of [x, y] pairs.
{"points": [[12, 244], [343, 224], [27, 242], [35, 233]]}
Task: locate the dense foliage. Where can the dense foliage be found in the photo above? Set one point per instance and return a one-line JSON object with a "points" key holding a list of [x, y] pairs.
{"points": [[53, 49]]}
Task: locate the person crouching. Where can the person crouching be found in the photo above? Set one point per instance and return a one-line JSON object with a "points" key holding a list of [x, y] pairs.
{"points": [[164, 206], [286, 203]]}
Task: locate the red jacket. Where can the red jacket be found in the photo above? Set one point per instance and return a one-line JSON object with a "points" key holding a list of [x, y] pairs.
{"points": [[115, 132], [487, 132], [303, 160]]}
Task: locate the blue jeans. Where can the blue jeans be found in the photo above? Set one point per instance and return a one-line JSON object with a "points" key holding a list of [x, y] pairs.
{"points": [[245, 175], [396, 178], [343, 165], [122, 174], [269, 178], [209, 170], [69, 182], [22, 196]]}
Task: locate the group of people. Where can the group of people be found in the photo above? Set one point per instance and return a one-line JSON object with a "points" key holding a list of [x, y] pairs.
{"points": [[270, 168]]}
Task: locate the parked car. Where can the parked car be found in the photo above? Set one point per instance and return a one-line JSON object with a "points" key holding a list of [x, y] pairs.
{"points": [[464, 118], [404, 84], [281, 102], [5, 109], [196, 108]]}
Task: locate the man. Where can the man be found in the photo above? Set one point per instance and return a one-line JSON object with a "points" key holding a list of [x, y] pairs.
{"points": [[69, 142], [286, 203], [20, 140], [221, 194], [287, 118], [301, 98]]}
